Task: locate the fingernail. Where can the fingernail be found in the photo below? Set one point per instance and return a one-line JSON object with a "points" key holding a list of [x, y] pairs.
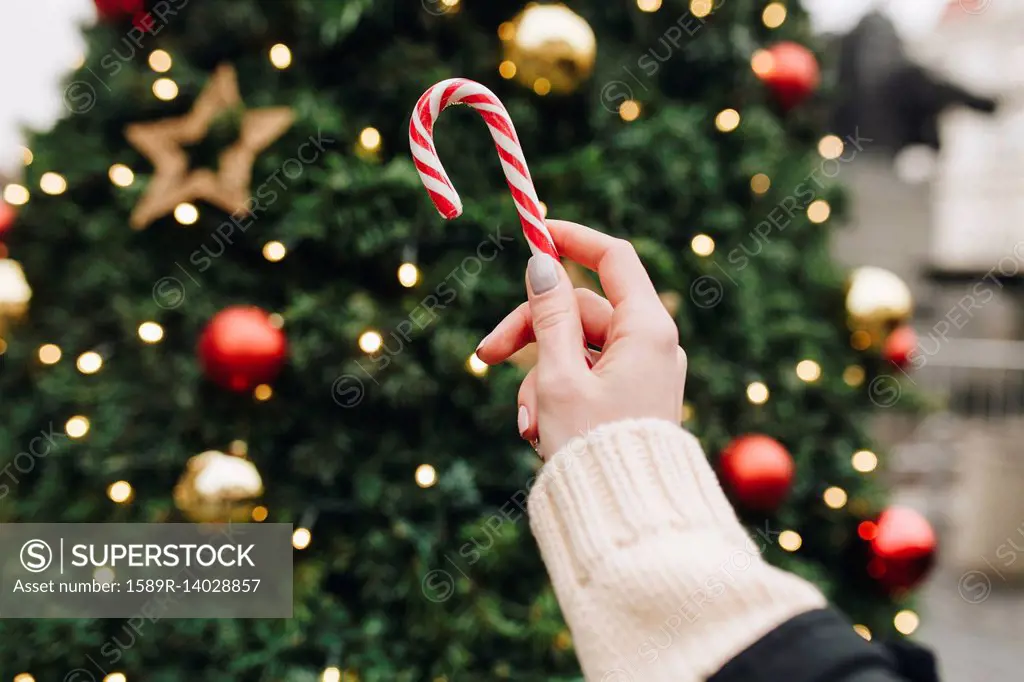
{"points": [[523, 420], [543, 274], [482, 342]]}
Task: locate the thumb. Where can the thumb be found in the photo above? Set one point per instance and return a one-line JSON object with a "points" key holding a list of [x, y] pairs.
{"points": [[556, 316]]}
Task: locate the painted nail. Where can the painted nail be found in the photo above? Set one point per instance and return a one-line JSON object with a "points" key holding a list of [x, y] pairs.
{"points": [[543, 273], [523, 420]]}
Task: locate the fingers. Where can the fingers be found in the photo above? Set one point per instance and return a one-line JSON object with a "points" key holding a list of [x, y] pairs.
{"points": [[516, 330], [556, 317], [615, 260], [624, 279], [527, 417]]}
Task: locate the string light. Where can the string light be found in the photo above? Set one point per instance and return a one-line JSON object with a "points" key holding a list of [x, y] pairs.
{"points": [[757, 393], [76, 427], [274, 251], [760, 183], [263, 392], [24, 677], [408, 275], [853, 375], [808, 370], [330, 674], [773, 15], [542, 86], [762, 62], [119, 491], [701, 8], [238, 448], [160, 61], [450, 4], [15, 194], [426, 476], [275, 320], [49, 354], [121, 175], [89, 362], [687, 412], [151, 332], [115, 677], [818, 211], [26, 156], [476, 365], [165, 89], [543, 210], [648, 5], [507, 69], [629, 110], [186, 213], [53, 183], [790, 540], [835, 497], [864, 461], [507, 30], [906, 622], [727, 120], [370, 341], [867, 530], [830, 147], [702, 245], [863, 631], [301, 538], [103, 574], [280, 56], [369, 139], [259, 513], [860, 340]]}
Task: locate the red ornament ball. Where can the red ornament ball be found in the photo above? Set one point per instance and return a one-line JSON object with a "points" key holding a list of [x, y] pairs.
{"points": [[790, 71], [240, 348], [7, 214], [118, 10], [899, 346], [757, 471], [113, 10], [902, 548]]}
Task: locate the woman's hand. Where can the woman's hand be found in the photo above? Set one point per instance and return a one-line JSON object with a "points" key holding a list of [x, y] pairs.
{"points": [[641, 369]]}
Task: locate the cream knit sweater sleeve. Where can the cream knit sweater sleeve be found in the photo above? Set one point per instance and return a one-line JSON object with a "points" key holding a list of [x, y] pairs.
{"points": [[655, 575]]}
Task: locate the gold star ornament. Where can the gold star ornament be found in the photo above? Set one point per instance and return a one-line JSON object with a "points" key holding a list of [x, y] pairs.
{"points": [[163, 142]]}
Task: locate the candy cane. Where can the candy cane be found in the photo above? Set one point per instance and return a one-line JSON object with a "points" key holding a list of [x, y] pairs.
{"points": [[421, 139]]}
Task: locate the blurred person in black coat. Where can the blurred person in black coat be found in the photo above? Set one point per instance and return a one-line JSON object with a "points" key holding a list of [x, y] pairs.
{"points": [[888, 97]]}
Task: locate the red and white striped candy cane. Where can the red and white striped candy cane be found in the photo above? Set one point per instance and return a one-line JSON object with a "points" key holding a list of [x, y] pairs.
{"points": [[442, 192]]}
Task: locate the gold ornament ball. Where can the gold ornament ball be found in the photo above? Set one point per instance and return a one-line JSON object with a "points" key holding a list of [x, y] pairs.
{"points": [[553, 43], [216, 487], [877, 301]]}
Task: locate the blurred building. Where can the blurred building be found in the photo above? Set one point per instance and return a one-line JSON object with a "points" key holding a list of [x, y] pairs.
{"points": [[938, 198]]}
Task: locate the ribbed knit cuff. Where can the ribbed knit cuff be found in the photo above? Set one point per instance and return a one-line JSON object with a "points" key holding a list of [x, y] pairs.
{"points": [[622, 482], [655, 574]]}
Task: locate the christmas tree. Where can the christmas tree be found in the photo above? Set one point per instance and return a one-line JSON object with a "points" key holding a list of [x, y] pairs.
{"points": [[229, 250]]}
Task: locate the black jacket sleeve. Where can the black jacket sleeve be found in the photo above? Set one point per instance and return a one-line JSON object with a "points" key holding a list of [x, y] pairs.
{"points": [[818, 646]]}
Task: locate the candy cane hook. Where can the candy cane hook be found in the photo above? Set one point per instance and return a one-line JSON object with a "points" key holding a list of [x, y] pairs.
{"points": [[421, 139]]}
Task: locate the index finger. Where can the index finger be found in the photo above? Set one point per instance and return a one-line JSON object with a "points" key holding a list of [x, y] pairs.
{"points": [[615, 260]]}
